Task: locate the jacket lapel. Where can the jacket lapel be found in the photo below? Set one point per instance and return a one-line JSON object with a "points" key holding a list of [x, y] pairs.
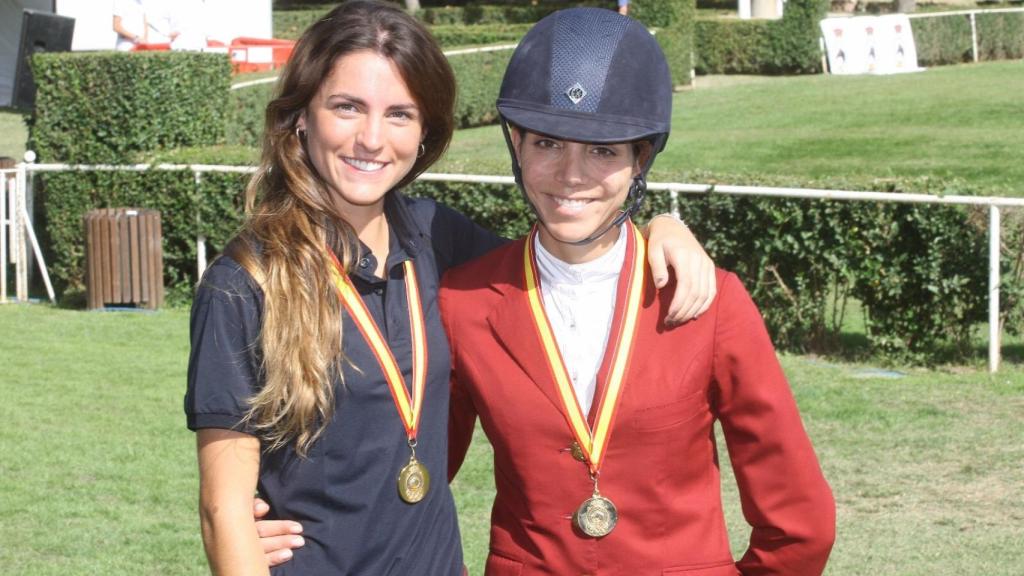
{"points": [[514, 329]]}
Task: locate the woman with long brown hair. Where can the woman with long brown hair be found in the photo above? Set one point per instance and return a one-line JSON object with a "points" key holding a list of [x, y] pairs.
{"points": [[319, 368]]}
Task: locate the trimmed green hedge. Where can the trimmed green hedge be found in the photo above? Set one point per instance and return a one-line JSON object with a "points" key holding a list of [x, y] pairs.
{"points": [[107, 108], [453, 35], [451, 25], [1000, 35], [246, 114], [673, 21], [785, 46], [947, 39], [478, 74], [920, 271], [942, 40], [213, 209], [102, 107], [479, 79]]}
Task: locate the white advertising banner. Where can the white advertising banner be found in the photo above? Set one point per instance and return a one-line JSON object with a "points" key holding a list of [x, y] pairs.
{"points": [[870, 45]]}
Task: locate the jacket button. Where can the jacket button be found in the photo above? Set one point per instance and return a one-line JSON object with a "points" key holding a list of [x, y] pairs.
{"points": [[364, 262], [577, 452]]}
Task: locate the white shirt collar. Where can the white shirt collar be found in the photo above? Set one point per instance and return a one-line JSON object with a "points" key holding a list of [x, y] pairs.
{"points": [[554, 271]]}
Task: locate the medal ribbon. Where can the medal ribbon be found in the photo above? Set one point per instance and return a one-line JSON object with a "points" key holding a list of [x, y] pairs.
{"points": [[592, 442], [408, 409]]}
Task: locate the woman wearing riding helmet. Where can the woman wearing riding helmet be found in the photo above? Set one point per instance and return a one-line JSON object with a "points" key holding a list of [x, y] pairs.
{"points": [[600, 415]]}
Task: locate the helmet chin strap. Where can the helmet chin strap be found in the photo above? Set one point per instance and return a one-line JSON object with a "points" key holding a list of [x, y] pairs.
{"points": [[637, 190]]}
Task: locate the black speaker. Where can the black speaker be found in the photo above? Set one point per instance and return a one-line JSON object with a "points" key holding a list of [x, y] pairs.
{"points": [[40, 32]]}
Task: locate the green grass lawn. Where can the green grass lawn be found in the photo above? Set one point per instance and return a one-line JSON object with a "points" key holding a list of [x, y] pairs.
{"points": [[12, 135], [98, 476], [951, 122], [961, 122]]}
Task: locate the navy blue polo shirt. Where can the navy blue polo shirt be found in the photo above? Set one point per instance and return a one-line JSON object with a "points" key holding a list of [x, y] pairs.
{"points": [[344, 492]]}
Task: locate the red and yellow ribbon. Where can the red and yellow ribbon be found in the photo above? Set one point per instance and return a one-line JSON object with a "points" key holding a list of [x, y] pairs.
{"points": [[592, 442], [409, 409]]}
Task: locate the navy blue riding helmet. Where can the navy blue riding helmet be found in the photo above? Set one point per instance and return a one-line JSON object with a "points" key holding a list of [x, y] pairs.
{"points": [[589, 75]]}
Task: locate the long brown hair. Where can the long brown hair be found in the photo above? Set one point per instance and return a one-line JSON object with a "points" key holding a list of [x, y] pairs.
{"points": [[292, 216]]}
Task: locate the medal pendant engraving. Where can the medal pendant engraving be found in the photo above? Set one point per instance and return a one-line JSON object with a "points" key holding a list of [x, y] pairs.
{"points": [[596, 517], [413, 481]]}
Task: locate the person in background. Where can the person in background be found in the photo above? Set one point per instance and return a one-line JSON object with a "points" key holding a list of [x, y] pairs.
{"points": [[161, 23], [190, 19], [319, 369], [624, 7], [129, 24]]}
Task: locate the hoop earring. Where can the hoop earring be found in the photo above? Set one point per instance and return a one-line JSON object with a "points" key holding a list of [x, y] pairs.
{"points": [[300, 133], [422, 151]]}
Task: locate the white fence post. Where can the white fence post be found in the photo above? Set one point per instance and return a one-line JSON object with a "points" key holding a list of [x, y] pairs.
{"points": [[200, 238], [974, 37], [18, 236], [994, 336], [5, 183]]}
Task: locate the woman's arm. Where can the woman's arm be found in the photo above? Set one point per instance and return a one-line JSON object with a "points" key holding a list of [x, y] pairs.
{"points": [[228, 468], [672, 245]]}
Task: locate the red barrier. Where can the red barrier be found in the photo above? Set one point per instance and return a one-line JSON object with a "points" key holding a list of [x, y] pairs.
{"points": [[247, 54]]}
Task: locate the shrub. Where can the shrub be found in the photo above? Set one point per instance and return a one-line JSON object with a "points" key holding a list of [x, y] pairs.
{"points": [[487, 14], [291, 23], [673, 21], [453, 35], [102, 107], [947, 39], [920, 271], [479, 79], [246, 114], [942, 40], [452, 26], [731, 46], [785, 46], [478, 74], [107, 107], [1000, 35], [213, 209]]}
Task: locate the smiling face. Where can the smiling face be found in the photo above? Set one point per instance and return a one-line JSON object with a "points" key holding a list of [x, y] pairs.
{"points": [[363, 131], [577, 189]]}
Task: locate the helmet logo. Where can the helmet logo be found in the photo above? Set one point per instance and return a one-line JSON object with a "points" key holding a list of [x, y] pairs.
{"points": [[576, 93]]}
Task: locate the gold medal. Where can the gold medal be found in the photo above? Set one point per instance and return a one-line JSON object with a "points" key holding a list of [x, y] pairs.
{"points": [[413, 481], [596, 517]]}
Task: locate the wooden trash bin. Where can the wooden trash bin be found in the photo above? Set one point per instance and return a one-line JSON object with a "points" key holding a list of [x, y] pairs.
{"points": [[124, 258]]}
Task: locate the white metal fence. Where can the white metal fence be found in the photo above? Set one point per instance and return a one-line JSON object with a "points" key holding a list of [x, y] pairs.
{"points": [[19, 231], [972, 16]]}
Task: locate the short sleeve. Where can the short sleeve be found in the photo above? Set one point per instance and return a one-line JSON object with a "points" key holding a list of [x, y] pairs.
{"points": [[224, 363]]}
